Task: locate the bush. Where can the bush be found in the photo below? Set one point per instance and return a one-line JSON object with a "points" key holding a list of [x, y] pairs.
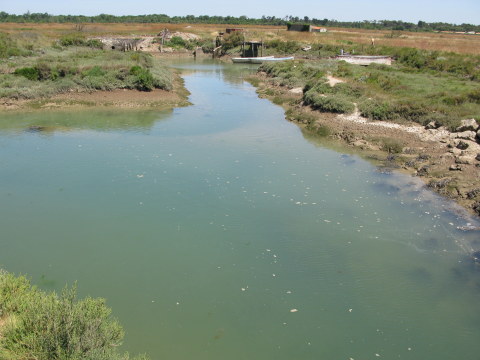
{"points": [[232, 40], [176, 42], [30, 73], [143, 78], [395, 110], [328, 103], [94, 43], [94, 71], [46, 326], [73, 39], [286, 47]]}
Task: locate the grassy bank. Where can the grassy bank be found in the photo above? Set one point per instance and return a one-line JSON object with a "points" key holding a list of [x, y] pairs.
{"points": [[46, 326], [403, 92], [73, 64]]}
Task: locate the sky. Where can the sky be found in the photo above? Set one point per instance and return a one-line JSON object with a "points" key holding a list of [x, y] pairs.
{"points": [[450, 11]]}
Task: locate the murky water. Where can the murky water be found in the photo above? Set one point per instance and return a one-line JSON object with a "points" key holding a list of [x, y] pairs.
{"points": [[218, 231]]}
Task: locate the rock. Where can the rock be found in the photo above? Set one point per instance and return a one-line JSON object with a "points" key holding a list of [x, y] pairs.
{"points": [[462, 145], [472, 194], [476, 207], [36, 128], [477, 157], [465, 135], [439, 184], [478, 136], [432, 125], [455, 167], [456, 152], [423, 171], [297, 90], [365, 145], [447, 157], [467, 125], [465, 159]]}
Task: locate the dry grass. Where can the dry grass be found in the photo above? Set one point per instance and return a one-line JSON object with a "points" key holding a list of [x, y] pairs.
{"points": [[459, 43]]}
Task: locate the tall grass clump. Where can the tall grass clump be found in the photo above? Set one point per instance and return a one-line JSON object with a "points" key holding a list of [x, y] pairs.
{"points": [[9, 47], [328, 103], [46, 326]]}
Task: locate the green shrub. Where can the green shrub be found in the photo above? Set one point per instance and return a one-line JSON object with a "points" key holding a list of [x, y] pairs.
{"points": [[176, 42], [328, 103], [30, 73], [94, 71], [376, 110], [285, 47], [383, 80], [344, 69], [73, 39], [143, 78], [94, 43], [232, 40], [394, 110], [45, 326]]}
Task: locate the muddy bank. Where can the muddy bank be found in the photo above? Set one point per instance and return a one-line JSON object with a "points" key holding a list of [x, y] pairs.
{"points": [[447, 162]]}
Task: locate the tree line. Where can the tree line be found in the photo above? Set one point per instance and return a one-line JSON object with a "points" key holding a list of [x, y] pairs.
{"points": [[240, 20]]}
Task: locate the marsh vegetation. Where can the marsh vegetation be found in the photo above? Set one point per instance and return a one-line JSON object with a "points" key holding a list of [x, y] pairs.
{"points": [[74, 64], [403, 92]]}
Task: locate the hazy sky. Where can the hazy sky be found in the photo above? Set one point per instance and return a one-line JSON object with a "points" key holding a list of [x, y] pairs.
{"points": [[451, 11]]}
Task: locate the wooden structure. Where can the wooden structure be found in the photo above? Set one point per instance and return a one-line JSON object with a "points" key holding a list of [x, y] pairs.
{"points": [[121, 44], [255, 48]]}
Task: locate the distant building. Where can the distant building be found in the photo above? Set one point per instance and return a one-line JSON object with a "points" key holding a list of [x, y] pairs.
{"points": [[298, 27], [305, 27], [317, 29], [231, 30]]}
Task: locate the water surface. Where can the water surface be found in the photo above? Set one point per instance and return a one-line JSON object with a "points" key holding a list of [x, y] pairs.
{"points": [[218, 231]]}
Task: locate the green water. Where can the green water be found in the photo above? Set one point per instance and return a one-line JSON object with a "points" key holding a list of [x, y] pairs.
{"points": [[204, 227]]}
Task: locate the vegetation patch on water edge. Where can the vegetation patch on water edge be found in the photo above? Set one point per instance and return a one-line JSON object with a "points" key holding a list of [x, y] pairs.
{"points": [[38, 325], [74, 64], [393, 93]]}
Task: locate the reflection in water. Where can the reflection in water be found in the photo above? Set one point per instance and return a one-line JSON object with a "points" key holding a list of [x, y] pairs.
{"points": [[46, 122]]}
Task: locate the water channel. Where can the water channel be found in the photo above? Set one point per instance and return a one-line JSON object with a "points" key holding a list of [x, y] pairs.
{"points": [[220, 231]]}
